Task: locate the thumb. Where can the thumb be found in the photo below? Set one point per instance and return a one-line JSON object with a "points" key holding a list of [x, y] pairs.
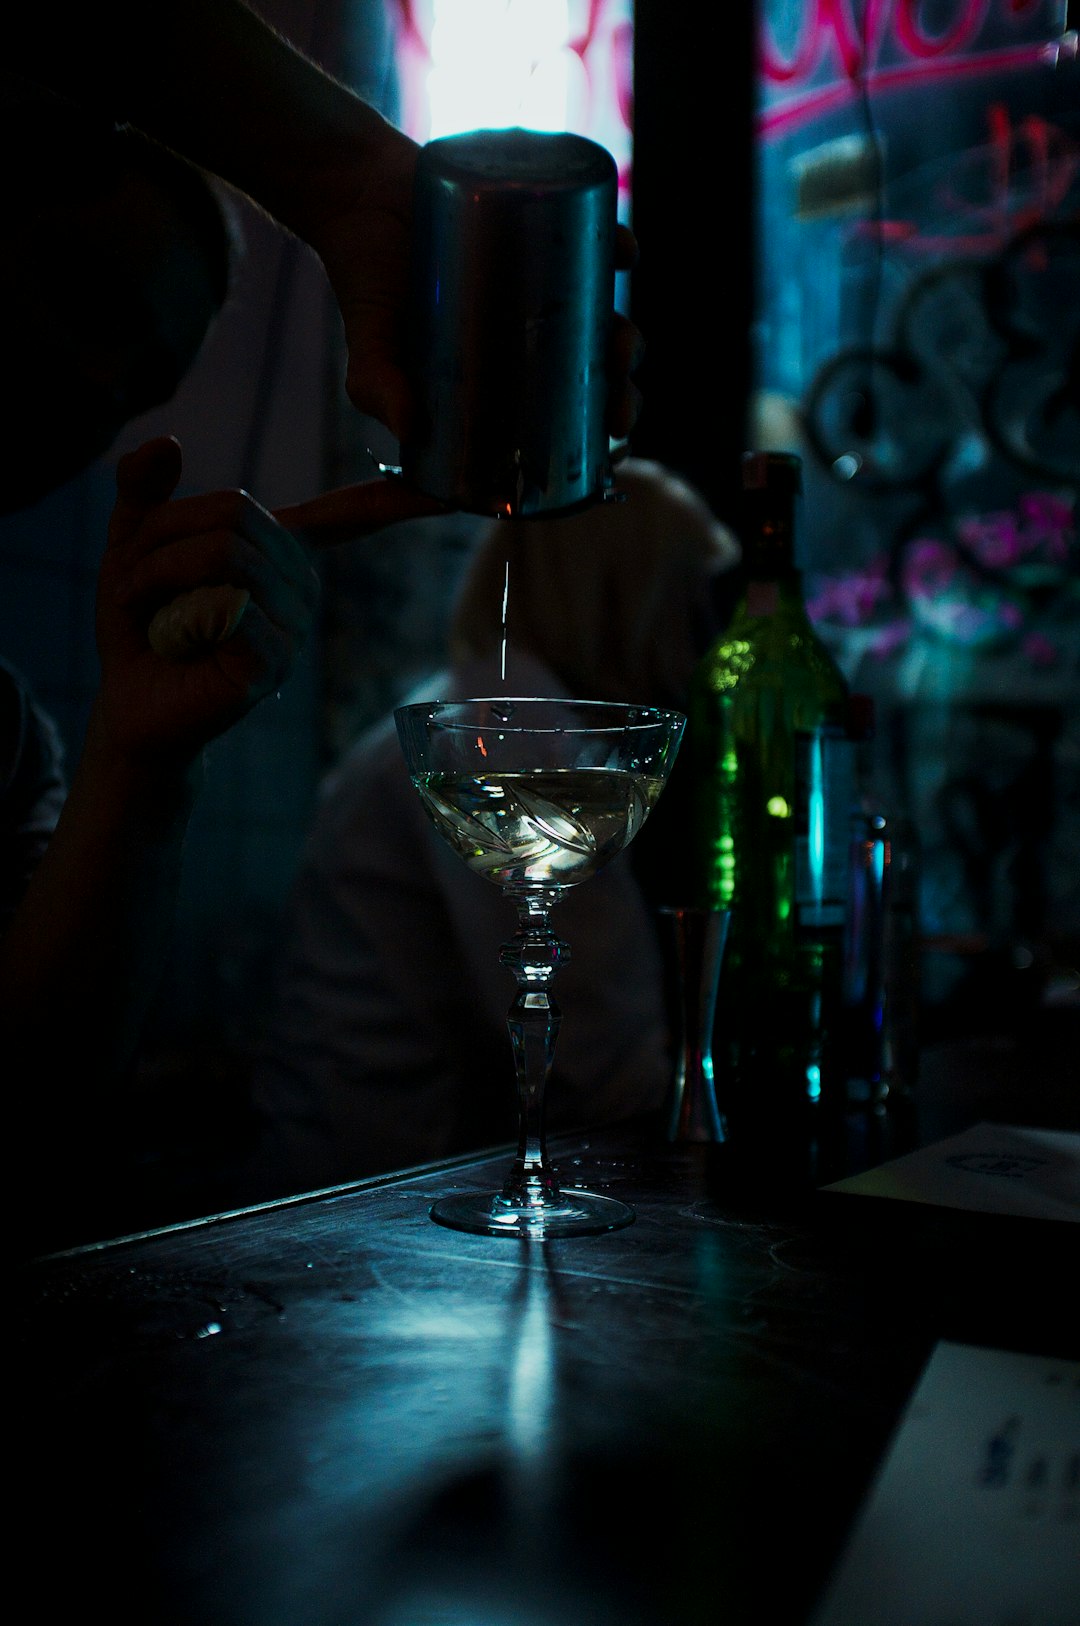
{"points": [[355, 511], [379, 388], [145, 478]]}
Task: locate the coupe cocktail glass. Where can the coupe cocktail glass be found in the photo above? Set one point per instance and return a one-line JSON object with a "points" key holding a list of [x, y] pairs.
{"points": [[536, 796]]}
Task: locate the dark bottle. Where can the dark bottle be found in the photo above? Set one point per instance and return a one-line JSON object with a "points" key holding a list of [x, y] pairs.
{"points": [[774, 784]]}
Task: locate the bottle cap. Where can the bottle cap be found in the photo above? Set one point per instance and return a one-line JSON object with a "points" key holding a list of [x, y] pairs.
{"points": [[776, 471], [771, 482], [860, 716]]}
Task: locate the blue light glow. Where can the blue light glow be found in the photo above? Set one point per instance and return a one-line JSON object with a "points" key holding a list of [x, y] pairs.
{"points": [[816, 818]]}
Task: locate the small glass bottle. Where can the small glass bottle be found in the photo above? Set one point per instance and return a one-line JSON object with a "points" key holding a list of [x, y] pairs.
{"points": [[773, 787], [881, 938]]}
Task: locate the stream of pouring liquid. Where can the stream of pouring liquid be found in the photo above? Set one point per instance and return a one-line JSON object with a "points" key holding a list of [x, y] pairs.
{"points": [[505, 601]]}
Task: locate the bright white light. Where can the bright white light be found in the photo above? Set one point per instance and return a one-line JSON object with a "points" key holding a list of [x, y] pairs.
{"points": [[497, 63]]}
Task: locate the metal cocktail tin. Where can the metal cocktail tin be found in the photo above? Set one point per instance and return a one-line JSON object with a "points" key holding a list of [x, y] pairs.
{"points": [[513, 283]]}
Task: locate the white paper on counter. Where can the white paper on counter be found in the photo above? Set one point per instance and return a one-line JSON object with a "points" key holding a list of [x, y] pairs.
{"points": [[991, 1168], [974, 1518]]}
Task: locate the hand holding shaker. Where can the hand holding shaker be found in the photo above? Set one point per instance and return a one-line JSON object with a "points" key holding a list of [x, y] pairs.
{"points": [[513, 282]]}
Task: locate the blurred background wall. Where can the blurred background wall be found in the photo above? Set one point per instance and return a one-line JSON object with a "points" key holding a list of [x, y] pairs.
{"points": [[917, 336]]}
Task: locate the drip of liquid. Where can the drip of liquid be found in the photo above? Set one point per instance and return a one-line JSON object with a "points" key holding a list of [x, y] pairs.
{"points": [[505, 601]]}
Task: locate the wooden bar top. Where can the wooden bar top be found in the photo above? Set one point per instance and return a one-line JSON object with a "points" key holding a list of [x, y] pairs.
{"points": [[331, 1410]]}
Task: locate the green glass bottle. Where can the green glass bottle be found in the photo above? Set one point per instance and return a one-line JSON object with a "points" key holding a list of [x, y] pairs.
{"points": [[773, 788]]}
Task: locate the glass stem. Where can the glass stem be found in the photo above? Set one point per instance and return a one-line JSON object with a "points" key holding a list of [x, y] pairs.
{"points": [[534, 954]]}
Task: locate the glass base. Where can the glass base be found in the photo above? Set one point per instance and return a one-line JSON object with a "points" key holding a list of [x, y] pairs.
{"points": [[560, 1213]]}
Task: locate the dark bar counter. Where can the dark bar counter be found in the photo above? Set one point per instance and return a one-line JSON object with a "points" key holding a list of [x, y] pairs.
{"points": [[331, 1410]]}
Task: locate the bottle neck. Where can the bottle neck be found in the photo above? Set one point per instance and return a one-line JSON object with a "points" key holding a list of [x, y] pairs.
{"points": [[769, 536], [771, 594]]}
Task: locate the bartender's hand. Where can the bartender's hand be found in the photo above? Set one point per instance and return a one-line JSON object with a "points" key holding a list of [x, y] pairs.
{"points": [[205, 602], [626, 351], [242, 594], [214, 81], [359, 220]]}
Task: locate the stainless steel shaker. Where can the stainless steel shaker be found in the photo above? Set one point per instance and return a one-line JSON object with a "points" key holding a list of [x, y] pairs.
{"points": [[513, 285]]}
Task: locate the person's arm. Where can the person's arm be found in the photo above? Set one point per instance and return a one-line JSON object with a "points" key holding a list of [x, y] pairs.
{"points": [[203, 605], [83, 955], [82, 958], [213, 80]]}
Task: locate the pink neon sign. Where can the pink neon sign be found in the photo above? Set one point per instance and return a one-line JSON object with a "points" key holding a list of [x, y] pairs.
{"points": [[1024, 173], [888, 45]]}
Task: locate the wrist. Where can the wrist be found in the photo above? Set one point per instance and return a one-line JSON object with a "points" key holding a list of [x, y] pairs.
{"points": [[155, 787], [352, 158]]}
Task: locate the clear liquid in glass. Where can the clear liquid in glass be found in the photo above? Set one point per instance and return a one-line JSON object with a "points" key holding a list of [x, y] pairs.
{"points": [[546, 828]]}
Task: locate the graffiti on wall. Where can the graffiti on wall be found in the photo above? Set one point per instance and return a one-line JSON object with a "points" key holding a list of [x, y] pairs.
{"points": [[919, 341], [815, 58]]}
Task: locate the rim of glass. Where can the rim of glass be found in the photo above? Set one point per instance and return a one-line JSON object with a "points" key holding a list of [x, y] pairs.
{"points": [[649, 716]]}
